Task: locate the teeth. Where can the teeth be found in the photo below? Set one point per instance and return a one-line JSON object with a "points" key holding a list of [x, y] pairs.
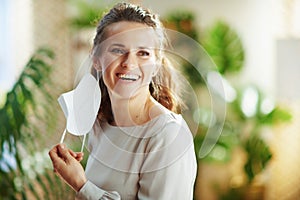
{"points": [[130, 77]]}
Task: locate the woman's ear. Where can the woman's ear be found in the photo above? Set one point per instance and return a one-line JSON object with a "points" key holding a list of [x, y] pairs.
{"points": [[96, 64]]}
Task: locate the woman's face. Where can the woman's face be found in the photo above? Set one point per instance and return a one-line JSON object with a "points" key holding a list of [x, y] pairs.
{"points": [[128, 58]]}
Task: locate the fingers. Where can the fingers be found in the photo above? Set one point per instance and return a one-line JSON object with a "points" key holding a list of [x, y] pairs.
{"points": [[72, 153], [53, 154], [64, 153], [57, 161], [59, 156], [61, 153], [77, 155], [62, 159], [66, 166]]}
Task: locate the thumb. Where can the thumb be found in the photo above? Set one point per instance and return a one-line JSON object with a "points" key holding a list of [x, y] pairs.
{"points": [[63, 152]]}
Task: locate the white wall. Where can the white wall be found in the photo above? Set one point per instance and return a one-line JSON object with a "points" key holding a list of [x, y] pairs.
{"points": [[16, 28]]}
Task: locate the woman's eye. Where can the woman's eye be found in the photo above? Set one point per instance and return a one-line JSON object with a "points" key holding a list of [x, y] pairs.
{"points": [[143, 53], [118, 51]]}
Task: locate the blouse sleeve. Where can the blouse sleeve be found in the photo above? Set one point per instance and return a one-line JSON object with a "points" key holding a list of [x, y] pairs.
{"points": [[169, 169], [90, 191]]}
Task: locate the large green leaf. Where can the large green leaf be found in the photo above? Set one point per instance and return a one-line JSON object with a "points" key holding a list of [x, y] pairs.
{"points": [[258, 156], [225, 47]]}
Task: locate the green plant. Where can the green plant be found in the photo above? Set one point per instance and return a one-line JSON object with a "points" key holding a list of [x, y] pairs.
{"points": [[225, 49], [257, 114], [250, 108], [86, 13], [224, 46], [182, 21], [24, 171]]}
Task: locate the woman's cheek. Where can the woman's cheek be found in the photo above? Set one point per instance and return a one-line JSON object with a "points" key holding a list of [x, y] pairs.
{"points": [[106, 64], [148, 71]]}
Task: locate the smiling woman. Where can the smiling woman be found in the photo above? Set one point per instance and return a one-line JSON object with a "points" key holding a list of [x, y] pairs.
{"points": [[140, 146], [127, 59]]}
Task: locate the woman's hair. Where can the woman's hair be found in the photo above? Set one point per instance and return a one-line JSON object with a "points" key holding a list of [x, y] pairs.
{"points": [[163, 87]]}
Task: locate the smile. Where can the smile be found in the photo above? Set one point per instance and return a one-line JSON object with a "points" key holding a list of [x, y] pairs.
{"points": [[128, 77]]}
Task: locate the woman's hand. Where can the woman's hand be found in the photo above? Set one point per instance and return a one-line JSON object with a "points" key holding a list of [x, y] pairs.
{"points": [[66, 164]]}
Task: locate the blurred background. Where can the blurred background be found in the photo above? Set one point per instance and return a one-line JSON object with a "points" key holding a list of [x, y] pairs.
{"points": [[254, 44]]}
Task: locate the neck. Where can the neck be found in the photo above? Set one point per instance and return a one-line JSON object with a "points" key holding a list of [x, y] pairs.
{"points": [[133, 111]]}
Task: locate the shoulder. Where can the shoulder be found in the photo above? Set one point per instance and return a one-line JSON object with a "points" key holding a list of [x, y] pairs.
{"points": [[171, 125], [171, 132], [166, 120], [171, 143]]}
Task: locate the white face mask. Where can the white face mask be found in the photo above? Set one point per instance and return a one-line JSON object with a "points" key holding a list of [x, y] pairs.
{"points": [[81, 106]]}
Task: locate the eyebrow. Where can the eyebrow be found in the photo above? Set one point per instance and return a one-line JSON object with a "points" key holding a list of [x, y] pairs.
{"points": [[123, 46], [119, 45]]}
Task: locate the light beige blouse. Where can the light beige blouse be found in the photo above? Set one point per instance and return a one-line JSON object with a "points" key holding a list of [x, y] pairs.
{"points": [[152, 161]]}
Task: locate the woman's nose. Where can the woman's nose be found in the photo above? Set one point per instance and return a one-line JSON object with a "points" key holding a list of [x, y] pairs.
{"points": [[129, 60]]}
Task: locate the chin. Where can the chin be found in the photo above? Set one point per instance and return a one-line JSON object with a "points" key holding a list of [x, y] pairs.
{"points": [[129, 92]]}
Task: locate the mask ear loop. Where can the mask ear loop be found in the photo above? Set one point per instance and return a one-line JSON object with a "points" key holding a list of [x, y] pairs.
{"points": [[63, 136], [84, 136], [83, 142]]}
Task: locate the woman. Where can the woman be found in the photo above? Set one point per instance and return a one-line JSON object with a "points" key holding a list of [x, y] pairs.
{"points": [[140, 147]]}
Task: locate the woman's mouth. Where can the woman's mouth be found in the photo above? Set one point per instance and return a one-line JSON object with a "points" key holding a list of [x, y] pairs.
{"points": [[128, 77]]}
